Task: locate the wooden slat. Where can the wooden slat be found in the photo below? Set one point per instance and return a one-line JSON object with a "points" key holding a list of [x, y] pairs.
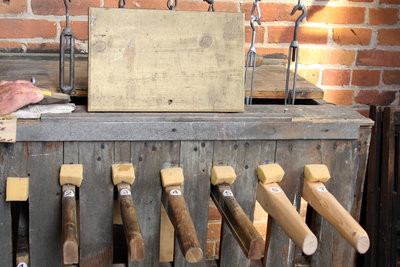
{"points": [[386, 257], [43, 167], [333, 250], [292, 156], [196, 161], [96, 204], [243, 157], [148, 157], [139, 66], [9, 167]]}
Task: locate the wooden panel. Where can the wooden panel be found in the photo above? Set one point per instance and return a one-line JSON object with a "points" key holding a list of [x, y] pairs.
{"points": [[43, 167], [181, 61], [341, 157], [148, 157], [196, 161], [292, 156], [96, 204], [244, 157], [9, 167]]}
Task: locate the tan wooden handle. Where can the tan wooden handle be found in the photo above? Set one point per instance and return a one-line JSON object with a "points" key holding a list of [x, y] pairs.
{"points": [[275, 202], [328, 207], [241, 227], [179, 215], [69, 226], [133, 234]]}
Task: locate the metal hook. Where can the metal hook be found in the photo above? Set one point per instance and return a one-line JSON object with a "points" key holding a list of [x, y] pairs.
{"points": [[67, 12], [211, 5], [65, 35], [294, 53], [170, 5], [121, 3]]}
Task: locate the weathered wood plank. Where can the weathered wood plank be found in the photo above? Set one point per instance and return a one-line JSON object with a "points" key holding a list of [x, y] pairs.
{"points": [[292, 156], [148, 157], [96, 204], [43, 167], [9, 168], [148, 63], [244, 157], [71, 152], [123, 152], [333, 250], [196, 161]]}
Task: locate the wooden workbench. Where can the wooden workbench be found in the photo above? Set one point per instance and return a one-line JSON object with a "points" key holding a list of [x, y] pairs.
{"points": [[289, 135]]}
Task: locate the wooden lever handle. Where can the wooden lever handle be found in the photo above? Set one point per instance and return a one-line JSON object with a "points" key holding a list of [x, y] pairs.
{"points": [[241, 227], [328, 207], [275, 202], [69, 224], [133, 234], [179, 215]]}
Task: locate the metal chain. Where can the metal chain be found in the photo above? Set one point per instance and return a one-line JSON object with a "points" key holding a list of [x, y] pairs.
{"points": [[252, 54], [211, 5], [66, 35], [294, 53], [171, 4]]}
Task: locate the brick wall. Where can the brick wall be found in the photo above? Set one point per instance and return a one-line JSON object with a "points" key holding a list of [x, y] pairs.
{"points": [[351, 49]]}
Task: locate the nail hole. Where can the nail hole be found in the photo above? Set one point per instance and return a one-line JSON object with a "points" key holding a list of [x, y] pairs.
{"points": [[102, 146], [169, 101], [174, 130], [195, 149], [140, 158], [153, 148], [235, 147], [99, 158]]}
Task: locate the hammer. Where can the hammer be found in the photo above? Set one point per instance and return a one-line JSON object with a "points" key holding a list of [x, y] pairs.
{"points": [[71, 175], [275, 202], [178, 213], [240, 225], [123, 176], [316, 194]]}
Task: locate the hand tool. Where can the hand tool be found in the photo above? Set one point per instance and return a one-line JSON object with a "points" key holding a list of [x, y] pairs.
{"points": [[67, 34]]}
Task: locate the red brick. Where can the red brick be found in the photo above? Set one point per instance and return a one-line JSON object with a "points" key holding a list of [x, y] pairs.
{"points": [[214, 231], [217, 247], [80, 29], [337, 15], [335, 77], [25, 28], [203, 6], [364, 1], [311, 75], [263, 51], [379, 16], [270, 11], [306, 35], [308, 56], [143, 4], [366, 77], [13, 7], [375, 97], [352, 36], [378, 58], [7, 46], [260, 32], [394, 2], [43, 47], [213, 213], [51, 7], [391, 77], [210, 250], [389, 37], [339, 97]]}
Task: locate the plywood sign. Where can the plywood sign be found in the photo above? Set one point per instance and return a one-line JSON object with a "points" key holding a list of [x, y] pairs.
{"points": [[159, 60]]}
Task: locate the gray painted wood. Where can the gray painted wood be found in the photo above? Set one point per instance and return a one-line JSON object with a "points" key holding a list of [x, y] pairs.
{"points": [[45, 237], [292, 156], [333, 250], [196, 162], [71, 153], [96, 203], [147, 158], [9, 168], [244, 157], [123, 152]]}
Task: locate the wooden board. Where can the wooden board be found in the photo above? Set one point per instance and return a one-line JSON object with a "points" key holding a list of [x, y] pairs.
{"points": [[156, 60], [96, 204], [196, 161]]}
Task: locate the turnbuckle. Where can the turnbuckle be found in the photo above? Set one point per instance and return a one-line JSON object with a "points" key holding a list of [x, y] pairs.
{"points": [[65, 35], [171, 4], [252, 54], [294, 53], [211, 5]]}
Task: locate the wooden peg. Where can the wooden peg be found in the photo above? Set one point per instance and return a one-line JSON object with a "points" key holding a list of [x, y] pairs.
{"points": [[239, 223], [179, 215], [316, 194], [123, 176], [275, 202], [71, 175]]}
